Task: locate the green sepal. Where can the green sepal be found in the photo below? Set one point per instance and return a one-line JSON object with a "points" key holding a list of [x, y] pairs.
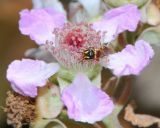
{"points": [[151, 35], [48, 102], [112, 121], [48, 123], [69, 74], [115, 3], [65, 77]]}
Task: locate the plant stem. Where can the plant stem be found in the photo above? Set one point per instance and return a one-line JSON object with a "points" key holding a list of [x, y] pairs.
{"points": [[96, 125], [60, 122], [42, 123], [126, 92], [109, 82], [122, 40], [116, 85]]}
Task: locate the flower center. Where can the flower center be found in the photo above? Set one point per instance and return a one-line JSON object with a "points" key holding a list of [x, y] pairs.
{"points": [[76, 45], [75, 38]]}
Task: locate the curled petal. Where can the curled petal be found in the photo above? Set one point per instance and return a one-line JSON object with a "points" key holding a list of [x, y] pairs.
{"points": [[39, 24], [118, 20], [26, 75], [85, 102], [109, 29], [126, 16], [131, 60]]}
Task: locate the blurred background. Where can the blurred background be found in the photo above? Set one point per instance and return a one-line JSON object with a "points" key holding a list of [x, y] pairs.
{"points": [[13, 45]]}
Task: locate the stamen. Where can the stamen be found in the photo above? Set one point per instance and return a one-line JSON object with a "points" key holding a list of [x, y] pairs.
{"points": [[71, 41]]}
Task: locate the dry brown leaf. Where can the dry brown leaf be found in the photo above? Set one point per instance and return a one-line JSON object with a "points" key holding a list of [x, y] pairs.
{"points": [[141, 120]]}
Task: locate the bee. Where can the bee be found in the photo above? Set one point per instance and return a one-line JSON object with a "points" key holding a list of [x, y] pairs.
{"points": [[95, 53]]}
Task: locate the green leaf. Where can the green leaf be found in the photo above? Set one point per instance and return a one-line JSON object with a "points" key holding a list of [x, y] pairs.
{"points": [[151, 35]]}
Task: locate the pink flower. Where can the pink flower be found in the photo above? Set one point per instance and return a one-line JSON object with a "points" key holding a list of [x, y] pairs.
{"points": [[85, 102], [71, 44], [118, 20], [26, 75], [39, 24], [131, 60]]}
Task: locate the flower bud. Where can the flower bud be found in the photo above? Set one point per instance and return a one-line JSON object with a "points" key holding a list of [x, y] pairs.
{"points": [[115, 3]]}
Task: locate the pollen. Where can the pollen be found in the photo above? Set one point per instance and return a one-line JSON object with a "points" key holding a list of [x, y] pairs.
{"points": [[77, 36]]}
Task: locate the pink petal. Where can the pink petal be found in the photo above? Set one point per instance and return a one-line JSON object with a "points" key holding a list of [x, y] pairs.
{"points": [[26, 75], [39, 24], [118, 20], [109, 27], [85, 102], [131, 60]]}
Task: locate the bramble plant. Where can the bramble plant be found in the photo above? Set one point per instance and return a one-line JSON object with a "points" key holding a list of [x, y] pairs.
{"points": [[62, 82]]}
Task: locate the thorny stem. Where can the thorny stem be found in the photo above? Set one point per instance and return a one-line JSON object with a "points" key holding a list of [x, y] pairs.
{"points": [[116, 85], [112, 79], [126, 92], [96, 125], [140, 29], [122, 40], [112, 85]]}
